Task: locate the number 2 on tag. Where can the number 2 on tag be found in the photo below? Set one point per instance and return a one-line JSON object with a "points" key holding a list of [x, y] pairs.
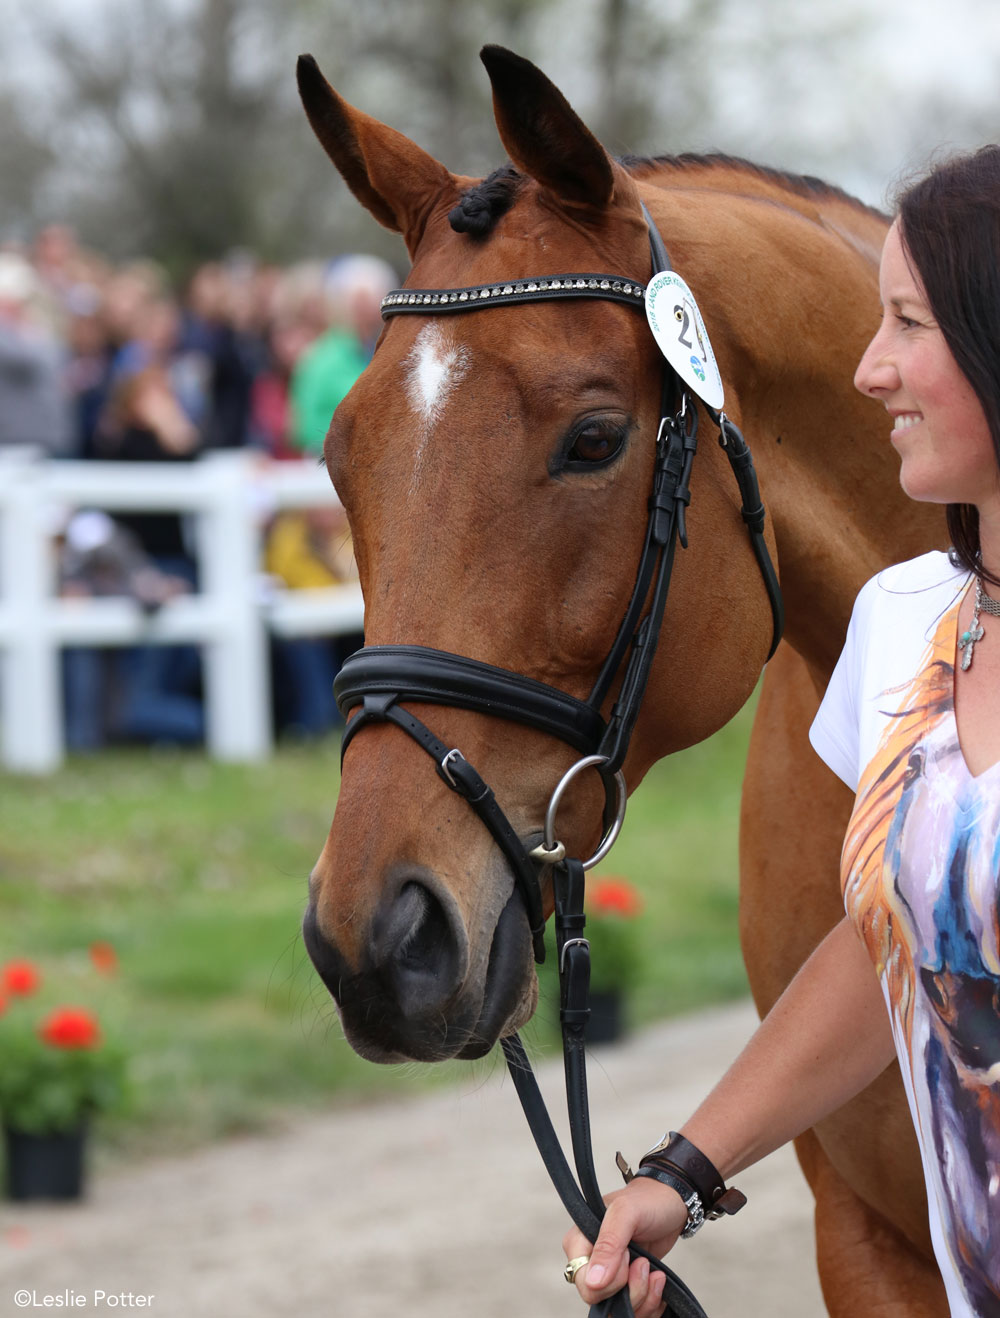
{"points": [[681, 314], [680, 332]]}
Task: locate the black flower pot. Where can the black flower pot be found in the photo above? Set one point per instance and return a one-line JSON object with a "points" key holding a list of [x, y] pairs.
{"points": [[607, 1016], [45, 1166]]}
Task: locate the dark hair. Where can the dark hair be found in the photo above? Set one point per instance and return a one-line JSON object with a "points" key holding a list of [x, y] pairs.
{"points": [[950, 224]]}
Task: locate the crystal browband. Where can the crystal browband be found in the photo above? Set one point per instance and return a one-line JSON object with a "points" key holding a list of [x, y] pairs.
{"points": [[612, 288]]}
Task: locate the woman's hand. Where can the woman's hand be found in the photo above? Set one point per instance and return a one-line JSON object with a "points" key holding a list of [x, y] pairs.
{"points": [[653, 1216]]}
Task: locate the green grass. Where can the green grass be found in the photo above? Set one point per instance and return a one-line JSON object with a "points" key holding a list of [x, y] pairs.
{"points": [[196, 873], [679, 846]]}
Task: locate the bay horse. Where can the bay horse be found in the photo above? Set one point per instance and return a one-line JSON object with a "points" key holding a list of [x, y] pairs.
{"points": [[495, 467]]}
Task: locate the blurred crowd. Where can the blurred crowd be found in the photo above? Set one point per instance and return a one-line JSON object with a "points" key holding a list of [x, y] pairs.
{"points": [[104, 361]]}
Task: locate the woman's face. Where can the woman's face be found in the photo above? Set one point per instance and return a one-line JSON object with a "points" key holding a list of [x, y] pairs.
{"points": [[939, 429]]}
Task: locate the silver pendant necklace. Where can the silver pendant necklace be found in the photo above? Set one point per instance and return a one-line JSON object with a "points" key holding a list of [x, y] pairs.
{"points": [[967, 641]]}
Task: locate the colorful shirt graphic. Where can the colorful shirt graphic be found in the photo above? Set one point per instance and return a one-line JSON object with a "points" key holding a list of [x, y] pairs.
{"points": [[920, 869]]}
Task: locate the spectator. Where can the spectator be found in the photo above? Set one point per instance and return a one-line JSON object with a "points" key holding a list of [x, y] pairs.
{"points": [[309, 550], [55, 257], [34, 408], [270, 410], [88, 367], [58, 265], [296, 319], [145, 421], [122, 693], [219, 348], [354, 290], [241, 355], [128, 293]]}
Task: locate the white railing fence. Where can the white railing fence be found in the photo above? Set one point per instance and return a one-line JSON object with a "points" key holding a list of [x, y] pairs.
{"points": [[231, 495]]}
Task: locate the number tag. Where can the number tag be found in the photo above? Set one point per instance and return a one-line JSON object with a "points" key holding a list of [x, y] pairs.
{"points": [[680, 332]]}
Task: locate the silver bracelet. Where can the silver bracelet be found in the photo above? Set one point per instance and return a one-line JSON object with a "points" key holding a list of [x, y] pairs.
{"points": [[696, 1216]]}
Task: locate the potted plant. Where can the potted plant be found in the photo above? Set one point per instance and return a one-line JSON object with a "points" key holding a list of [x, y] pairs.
{"points": [[611, 906], [56, 1071]]}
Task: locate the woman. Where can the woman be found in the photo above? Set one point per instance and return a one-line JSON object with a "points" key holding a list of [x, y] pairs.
{"points": [[911, 721]]}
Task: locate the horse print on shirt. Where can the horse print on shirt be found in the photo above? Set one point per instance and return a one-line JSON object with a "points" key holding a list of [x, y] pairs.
{"points": [[920, 873]]}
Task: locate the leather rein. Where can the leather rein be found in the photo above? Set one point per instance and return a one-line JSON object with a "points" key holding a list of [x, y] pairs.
{"points": [[380, 679]]}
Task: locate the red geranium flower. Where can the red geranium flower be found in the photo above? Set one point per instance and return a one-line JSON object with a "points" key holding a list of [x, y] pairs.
{"points": [[613, 897], [104, 957], [70, 1027], [20, 978]]}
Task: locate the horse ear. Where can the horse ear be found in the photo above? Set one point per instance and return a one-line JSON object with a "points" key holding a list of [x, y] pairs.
{"points": [[390, 175], [542, 133]]}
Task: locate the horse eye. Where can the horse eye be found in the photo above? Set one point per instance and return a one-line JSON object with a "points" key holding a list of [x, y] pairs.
{"points": [[914, 767], [596, 442]]}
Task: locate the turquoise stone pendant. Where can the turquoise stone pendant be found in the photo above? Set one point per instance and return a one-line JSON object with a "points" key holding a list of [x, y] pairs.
{"points": [[967, 642]]}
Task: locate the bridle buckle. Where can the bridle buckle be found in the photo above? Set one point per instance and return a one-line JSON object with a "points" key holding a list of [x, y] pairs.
{"points": [[445, 772], [571, 942]]}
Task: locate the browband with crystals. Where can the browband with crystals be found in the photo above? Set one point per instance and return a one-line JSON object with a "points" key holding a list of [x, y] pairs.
{"points": [[611, 288]]}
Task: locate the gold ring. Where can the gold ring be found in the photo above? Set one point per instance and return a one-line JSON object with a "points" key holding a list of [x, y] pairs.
{"points": [[574, 1266]]}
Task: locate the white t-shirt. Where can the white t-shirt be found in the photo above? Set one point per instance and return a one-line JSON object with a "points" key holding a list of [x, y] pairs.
{"points": [[893, 622], [919, 871]]}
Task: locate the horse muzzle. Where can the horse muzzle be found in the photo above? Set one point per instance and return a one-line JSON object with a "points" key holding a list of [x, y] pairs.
{"points": [[420, 993]]}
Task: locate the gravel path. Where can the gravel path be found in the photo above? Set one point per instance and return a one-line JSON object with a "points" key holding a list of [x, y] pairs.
{"points": [[431, 1208]]}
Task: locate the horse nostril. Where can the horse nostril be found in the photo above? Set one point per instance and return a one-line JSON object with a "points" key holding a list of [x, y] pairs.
{"points": [[417, 948]]}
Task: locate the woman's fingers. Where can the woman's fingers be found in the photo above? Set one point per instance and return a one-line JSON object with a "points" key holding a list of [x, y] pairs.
{"points": [[647, 1212], [645, 1284], [645, 1289], [608, 1269], [593, 1295], [657, 1285], [638, 1284], [576, 1245]]}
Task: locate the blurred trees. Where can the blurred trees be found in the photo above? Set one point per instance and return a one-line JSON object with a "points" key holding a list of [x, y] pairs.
{"points": [[162, 128], [172, 127], [25, 159]]}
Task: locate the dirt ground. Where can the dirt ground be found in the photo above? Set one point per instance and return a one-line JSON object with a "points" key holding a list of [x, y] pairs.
{"points": [[434, 1208]]}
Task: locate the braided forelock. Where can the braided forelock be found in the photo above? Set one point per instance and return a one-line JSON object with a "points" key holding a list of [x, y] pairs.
{"points": [[481, 206]]}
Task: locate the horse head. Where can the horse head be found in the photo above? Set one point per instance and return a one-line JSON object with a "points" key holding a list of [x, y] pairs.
{"points": [[496, 468]]}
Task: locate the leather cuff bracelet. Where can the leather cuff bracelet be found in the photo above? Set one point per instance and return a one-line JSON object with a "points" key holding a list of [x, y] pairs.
{"points": [[677, 1156]]}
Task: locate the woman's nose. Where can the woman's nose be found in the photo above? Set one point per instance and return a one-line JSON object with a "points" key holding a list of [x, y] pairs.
{"points": [[876, 373]]}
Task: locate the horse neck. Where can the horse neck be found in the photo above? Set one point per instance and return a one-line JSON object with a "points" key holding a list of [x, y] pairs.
{"points": [[832, 493], [791, 298]]}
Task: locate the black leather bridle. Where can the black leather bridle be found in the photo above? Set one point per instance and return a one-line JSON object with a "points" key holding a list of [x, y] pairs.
{"points": [[381, 679]]}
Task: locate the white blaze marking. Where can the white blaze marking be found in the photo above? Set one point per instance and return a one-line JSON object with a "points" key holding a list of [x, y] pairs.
{"points": [[434, 366]]}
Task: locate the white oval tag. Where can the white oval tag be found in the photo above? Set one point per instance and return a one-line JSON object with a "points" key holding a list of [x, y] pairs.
{"points": [[680, 332]]}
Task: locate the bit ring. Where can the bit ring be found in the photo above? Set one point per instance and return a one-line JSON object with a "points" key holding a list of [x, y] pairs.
{"points": [[607, 842]]}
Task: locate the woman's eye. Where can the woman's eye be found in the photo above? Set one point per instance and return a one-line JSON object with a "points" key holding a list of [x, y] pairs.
{"points": [[596, 442]]}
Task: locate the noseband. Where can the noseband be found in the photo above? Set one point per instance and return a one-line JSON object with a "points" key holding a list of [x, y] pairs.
{"points": [[382, 679]]}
